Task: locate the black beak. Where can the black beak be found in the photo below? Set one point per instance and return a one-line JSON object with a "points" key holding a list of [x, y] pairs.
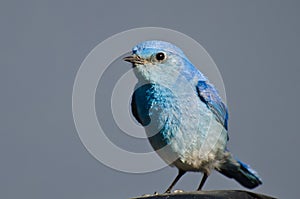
{"points": [[134, 59], [130, 58]]}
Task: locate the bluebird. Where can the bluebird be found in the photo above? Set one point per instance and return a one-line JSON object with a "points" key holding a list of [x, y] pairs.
{"points": [[183, 115]]}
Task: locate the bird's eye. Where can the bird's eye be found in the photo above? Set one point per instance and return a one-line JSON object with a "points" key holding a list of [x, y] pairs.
{"points": [[160, 56]]}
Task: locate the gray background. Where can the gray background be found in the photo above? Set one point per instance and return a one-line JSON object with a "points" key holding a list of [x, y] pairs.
{"points": [[254, 43]]}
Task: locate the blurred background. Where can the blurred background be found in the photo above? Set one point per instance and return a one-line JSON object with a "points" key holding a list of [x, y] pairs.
{"points": [[255, 45]]}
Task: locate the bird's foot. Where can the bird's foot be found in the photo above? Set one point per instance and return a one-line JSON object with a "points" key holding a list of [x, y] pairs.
{"points": [[175, 191], [148, 195], [178, 191], [168, 191]]}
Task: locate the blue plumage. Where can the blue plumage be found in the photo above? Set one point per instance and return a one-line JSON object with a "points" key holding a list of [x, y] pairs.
{"points": [[183, 114], [209, 95]]}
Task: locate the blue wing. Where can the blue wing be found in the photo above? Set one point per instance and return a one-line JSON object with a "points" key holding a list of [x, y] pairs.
{"points": [[209, 95], [140, 104]]}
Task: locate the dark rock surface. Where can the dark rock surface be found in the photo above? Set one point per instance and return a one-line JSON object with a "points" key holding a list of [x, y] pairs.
{"points": [[219, 194]]}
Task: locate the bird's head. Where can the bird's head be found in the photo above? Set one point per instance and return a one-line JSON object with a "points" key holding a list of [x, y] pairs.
{"points": [[157, 61]]}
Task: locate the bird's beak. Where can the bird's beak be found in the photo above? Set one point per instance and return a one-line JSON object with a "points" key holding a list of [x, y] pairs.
{"points": [[134, 59]]}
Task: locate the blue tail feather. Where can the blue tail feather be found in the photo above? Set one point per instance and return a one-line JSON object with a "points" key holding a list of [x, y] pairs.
{"points": [[241, 172]]}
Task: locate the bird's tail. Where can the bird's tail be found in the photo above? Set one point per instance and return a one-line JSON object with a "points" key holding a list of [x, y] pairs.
{"points": [[241, 172]]}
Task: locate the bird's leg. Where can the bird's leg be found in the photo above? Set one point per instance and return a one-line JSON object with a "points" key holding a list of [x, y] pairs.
{"points": [[180, 174], [202, 181]]}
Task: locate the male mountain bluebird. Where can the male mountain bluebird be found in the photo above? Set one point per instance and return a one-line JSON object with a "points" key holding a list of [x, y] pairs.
{"points": [[183, 114]]}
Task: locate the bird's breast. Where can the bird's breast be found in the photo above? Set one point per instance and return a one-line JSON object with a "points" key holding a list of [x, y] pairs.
{"points": [[180, 121], [179, 117]]}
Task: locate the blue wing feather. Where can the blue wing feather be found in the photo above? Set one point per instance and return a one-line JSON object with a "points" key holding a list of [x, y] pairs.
{"points": [[209, 95], [140, 105]]}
